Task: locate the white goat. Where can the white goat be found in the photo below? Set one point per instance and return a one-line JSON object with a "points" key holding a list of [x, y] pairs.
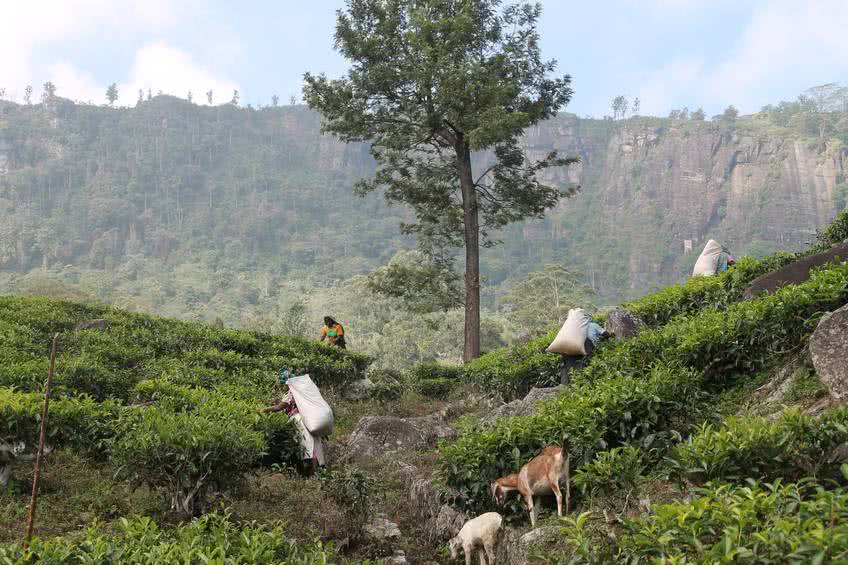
{"points": [[480, 533]]}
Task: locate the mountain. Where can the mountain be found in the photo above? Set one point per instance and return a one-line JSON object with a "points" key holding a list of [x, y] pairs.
{"points": [[205, 212]]}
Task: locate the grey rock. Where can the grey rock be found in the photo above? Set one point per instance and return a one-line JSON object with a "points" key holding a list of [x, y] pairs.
{"points": [[358, 390], [829, 349], [397, 558], [795, 272], [525, 406], [375, 435], [379, 529], [622, 324], [533, 537], [99, 324]]}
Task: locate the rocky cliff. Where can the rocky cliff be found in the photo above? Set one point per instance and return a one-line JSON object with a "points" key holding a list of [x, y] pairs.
{"points": [[263, 190]]}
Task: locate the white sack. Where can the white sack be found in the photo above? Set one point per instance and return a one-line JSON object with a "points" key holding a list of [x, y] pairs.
{"points": [[571, 339], [312, 446], [708, 261], [317, 414]]}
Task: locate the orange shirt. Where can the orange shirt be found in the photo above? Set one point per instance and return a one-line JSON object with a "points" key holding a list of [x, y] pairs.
{"points": [[338, 330]]}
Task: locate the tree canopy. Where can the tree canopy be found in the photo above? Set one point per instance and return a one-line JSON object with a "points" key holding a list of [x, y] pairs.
{"points": [[432, 81]]}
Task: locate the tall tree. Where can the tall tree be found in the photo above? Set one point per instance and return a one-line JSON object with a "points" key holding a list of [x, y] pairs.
{"points": [[2, 93], [140, 97], [209, 97], [149, 94], [235, 99], [730, 113], [49, 91], [190, 97], [28, 94], [619, 107], [431, 82], [112, 94], [636, 104], [275, 101], [699, 115], [292, 100]]}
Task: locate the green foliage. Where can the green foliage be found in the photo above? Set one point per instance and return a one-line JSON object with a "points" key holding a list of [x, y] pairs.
{"points": [[353, 491], [837, 231], [544, 298], [187, 454], [435, 388], [421, 284], [618, 470], [424, 371], [634, 388], [805, 386], [793, 447], [699, 293], [213, 538], [649, 410], [726, 524]]}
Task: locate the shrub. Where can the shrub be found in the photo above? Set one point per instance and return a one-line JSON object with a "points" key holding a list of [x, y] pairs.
{"points": [[777, 523], [435, 388], [186, 454], [650, 410], [618, 470], [213, 538], [742, 338], [837, 231], [353, 492], [790, 448]]}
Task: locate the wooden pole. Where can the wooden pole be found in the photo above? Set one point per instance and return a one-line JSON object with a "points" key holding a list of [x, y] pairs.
{"points": [[40, 452]]}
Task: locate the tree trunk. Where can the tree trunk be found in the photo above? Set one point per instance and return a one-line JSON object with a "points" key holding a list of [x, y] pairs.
{"points": [[472, 253]]}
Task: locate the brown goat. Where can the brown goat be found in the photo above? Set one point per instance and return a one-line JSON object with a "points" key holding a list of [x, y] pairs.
{"points": [[541, 475]]}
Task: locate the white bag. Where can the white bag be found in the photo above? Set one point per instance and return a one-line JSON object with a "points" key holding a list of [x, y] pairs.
{"points": [[312, 446], [571, 339], [317, 414], [708, 261]]}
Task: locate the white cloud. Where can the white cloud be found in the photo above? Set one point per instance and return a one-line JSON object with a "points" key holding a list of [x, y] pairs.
{"points": [[785, 42], [74, 84], [161, 67]]}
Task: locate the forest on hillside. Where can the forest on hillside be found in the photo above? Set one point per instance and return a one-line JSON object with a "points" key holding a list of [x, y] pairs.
{"points": [[247, 215]]}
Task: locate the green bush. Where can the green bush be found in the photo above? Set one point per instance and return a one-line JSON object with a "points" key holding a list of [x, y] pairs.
{"points": [[618, 470], [187, 454], [790, 448], [650, 410], [213, 538], [837, 231], [742, 338], [777, 523], [352, 491], [435, 388]]}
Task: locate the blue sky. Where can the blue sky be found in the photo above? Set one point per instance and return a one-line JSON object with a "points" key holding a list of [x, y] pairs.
{"points": [[669, 53]]}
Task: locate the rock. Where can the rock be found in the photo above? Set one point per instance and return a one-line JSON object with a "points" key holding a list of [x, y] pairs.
{"points": [[379, 529], [622, 324], [375, 435], [397, 558], [829, 349], [358, 390], [539, 534], [99, 324], [524, 407], [795, 272]]}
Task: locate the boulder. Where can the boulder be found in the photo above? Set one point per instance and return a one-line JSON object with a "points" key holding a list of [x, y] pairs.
{"points": [[379, 530], [622, 324], [99, 324], [525, 406], [829, 349], [795, 272], [358, 390], [375, 435]]}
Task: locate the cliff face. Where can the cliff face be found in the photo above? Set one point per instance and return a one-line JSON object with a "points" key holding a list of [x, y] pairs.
{"points": [[264, 191], [658, 191]]}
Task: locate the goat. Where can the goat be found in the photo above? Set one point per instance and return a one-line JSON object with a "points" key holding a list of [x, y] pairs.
{"points": [[480, 531], [541, 475]]}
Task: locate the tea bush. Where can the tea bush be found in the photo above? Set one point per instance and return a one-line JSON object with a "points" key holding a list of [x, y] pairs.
{"points": [[837, 231], [213, 538], [187, 454], [741, 338], [789, 448], [352, 491], [426, 371], [649, 410], [618, 470], [698, 293], [440, 387], [794, 523]]}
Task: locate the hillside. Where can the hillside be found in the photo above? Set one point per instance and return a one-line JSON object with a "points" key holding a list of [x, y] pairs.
{"points": [[157, 420], [226, 212]]}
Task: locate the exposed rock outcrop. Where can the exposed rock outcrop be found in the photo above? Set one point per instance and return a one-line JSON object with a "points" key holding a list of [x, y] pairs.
{"points": [[829, 349], [524, 406], [375, 435], [796, 272], [622, 324]]}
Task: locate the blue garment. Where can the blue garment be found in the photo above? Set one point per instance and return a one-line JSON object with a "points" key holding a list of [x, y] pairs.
{"points": [[595, 332]]}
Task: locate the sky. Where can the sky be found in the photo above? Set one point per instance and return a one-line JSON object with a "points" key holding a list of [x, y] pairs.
{"points": [[668, 53]]}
